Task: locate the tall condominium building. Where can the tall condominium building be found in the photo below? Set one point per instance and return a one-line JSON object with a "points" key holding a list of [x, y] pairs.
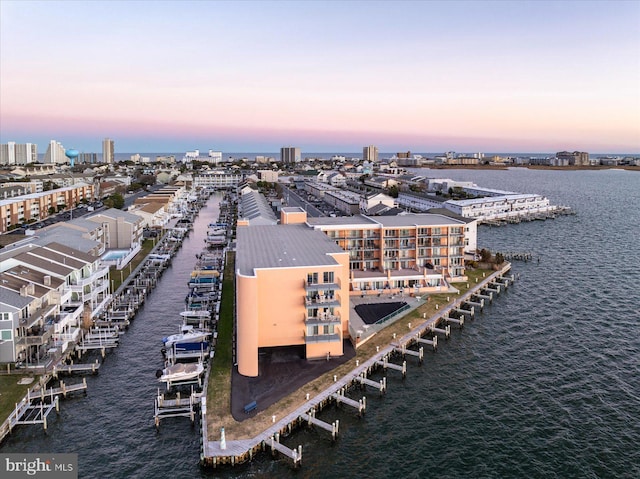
{"points": [[107, 150], [87, 158], [370, 153], [577, 158], [55, 153], [13, 153], [290, 154]]}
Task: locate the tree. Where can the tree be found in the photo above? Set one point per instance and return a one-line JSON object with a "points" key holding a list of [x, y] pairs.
{"points": [[393, 191], [485, 254], [499, 258], [116, 200]]}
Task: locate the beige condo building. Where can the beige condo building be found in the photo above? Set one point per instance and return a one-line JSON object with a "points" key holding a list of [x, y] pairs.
{"points": [[294, 280]]}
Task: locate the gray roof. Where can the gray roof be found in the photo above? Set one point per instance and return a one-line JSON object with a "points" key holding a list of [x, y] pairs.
{"points": [[416, 220], [292, 209], [450, 214], [340, 221], [283, 246], [67, 237], [11, 298], [256, 209], [115, 213], [82, 223]]}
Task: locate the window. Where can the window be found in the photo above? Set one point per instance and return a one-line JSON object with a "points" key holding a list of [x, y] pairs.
{"points": [[5, 335], [327, 277], [312, 278]]}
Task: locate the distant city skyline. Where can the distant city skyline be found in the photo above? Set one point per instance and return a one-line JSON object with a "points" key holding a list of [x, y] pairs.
{"points": [[256, 76]]}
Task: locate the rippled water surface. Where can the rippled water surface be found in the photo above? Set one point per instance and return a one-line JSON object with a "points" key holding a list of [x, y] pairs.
{"points": [[545, 383]]}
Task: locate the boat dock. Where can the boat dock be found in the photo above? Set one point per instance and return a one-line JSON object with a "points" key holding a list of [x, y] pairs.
{"points": [[177, 406], [81, 368]]}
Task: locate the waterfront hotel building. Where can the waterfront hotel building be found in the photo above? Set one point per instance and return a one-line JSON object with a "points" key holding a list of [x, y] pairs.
{"points": [[293, 280]]}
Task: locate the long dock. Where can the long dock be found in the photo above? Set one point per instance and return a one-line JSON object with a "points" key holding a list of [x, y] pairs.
{"points": [[76, 368]]}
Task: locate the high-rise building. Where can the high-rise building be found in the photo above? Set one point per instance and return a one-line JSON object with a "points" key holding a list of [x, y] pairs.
{"points": [[55, 153], [577, 158], [290, 154], [13, 153], [107, 150], [88, 158], [370, 153]]}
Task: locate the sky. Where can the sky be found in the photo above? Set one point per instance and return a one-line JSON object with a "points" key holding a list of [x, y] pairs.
{"points": [[328, 76]]}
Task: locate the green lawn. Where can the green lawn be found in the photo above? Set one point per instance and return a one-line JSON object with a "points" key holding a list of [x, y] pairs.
{"points": [[11, 392], [219, 386]]}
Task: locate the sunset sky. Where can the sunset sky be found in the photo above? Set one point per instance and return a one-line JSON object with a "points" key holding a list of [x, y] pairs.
{"points": [[325, 76]]}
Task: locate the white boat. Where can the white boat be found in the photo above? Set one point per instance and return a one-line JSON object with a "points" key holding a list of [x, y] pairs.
{"points": [[212, 240], [197, 318], [180, 372], [188, 335]]}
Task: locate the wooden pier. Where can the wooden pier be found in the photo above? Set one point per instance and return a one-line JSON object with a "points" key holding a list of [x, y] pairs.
{"points": [[76, 368], [459, 321], [28, 412], [384, 362], [404, 351], [294, 454], [177, 406], [311, 420], [360, 405], [431, 342], [365, 381]]}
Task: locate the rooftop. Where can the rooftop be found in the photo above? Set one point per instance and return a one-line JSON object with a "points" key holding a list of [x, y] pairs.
{"points": [[281, 246]]}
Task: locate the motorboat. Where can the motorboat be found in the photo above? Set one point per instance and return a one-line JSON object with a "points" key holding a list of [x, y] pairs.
{"points": [[188, 335], [180, 372]]}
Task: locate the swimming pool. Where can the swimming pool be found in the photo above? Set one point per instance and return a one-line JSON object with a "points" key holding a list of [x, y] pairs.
{"points": [[115, 254]]}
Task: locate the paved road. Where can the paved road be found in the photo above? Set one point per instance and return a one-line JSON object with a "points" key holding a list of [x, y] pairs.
{"points": [[293, 199]]}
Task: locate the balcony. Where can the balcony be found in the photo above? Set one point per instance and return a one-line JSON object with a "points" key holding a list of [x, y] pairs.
{"points": [[322, 338], [102, 272], [321, 286], [38, 315], [35, 339], [322, 301], [322, 319]]}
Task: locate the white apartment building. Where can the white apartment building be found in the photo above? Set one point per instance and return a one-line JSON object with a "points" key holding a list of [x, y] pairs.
{"points": [[13, 153], [108, 152], [55, 153], [217, 179]]}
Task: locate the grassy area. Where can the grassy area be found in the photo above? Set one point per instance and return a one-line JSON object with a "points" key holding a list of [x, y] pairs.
{"points": [[219, 387], [117, 276], [11, 392]]}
